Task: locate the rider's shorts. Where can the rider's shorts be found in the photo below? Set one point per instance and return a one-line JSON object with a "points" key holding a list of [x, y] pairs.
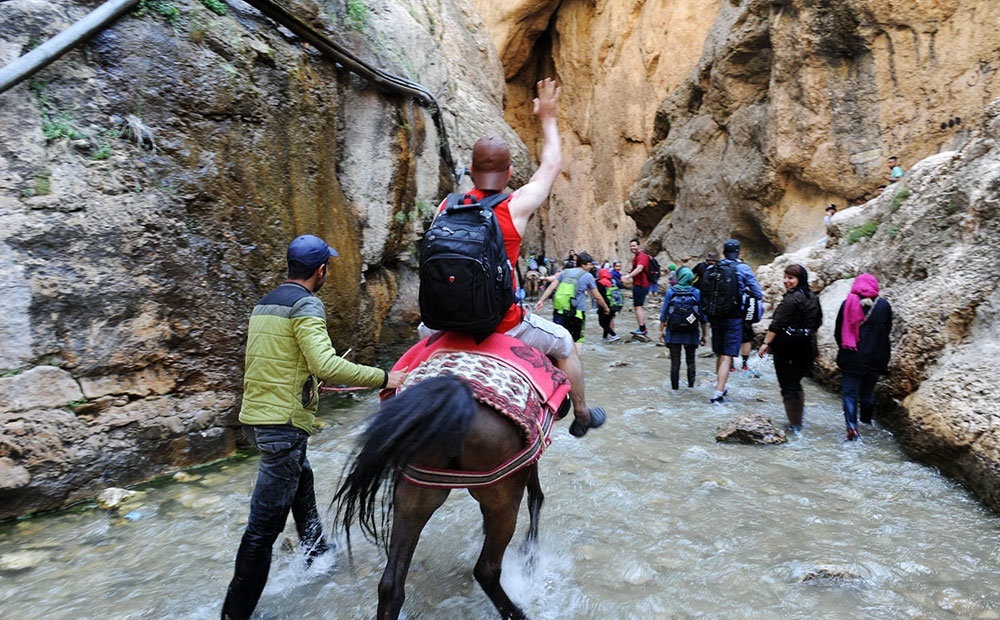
{"points": [[551, 339], [535, 331]]}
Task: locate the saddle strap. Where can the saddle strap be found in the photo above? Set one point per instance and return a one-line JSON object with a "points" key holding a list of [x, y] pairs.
{"points": [[451, 479]]}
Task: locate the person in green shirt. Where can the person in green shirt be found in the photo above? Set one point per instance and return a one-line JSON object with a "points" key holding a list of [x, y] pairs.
{"points": [[288, 356]]}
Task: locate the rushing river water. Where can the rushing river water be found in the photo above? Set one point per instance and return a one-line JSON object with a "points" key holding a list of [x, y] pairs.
{"points": [[645, 518]]}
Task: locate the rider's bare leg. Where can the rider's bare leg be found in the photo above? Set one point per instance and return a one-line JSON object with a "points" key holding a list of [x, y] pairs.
{"points": [[573, 367]]}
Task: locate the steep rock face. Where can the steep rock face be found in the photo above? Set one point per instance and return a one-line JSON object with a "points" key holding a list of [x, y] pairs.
{"points": [[150, 181], [932, 242], [797, 104], [616, 61]]}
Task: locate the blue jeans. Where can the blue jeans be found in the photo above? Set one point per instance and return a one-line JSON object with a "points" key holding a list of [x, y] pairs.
{"points": [[284, 483], [858, 395]]}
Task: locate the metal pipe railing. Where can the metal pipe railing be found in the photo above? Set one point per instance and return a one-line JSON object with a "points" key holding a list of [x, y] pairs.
{"points": [[48, 52], [386, 82], [98, 19]]}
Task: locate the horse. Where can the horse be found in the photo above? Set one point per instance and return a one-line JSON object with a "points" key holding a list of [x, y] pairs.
{"points": [[437, 424]]}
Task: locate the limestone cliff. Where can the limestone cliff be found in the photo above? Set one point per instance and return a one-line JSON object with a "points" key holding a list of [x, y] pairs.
{"points": [[932, 241], [798, 103], [149, 183], [616, 61]]}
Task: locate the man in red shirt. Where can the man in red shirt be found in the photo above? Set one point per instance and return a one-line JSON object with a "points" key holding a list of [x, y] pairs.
{"points": [[490, 171], [640, 284]]}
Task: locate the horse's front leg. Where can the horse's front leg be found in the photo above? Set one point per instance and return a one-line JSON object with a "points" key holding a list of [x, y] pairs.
{"points": [[412, 508]]}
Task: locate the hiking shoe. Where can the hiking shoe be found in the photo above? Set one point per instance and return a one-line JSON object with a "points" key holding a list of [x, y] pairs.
{"points": [[853, 434], [745, 367], [718, 399], [597, 419], [614, 338], [638, 332]]}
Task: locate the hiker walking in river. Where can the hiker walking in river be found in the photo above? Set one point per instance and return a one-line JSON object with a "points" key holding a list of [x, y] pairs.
{"points": [[682, 325], [288, 356], [862, 330], [791, 339]]}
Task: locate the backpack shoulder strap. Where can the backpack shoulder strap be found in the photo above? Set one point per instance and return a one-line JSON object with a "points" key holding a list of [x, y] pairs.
{"points": [[491, 201]]}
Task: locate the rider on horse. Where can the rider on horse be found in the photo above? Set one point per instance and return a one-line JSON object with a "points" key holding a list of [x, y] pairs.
{"points": [[491, 171]]}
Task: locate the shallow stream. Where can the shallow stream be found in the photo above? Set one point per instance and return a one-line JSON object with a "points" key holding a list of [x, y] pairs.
{"points": [[645, 518]]}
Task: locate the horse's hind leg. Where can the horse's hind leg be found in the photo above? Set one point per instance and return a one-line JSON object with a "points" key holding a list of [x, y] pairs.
{"points": [[412, 508], [499, 505], [535, 500]]}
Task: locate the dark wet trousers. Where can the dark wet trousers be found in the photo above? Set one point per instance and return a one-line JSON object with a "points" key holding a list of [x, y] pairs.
{"points": [[675, 363], [604, 320], [790, 372], [857, 393], [284, 483]]}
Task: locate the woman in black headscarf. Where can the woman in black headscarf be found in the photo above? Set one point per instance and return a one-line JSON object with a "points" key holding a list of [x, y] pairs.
{"points": [[791, 338]]}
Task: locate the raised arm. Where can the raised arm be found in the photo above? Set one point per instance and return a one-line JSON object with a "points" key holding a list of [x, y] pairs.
{"points": [[526, 200]]}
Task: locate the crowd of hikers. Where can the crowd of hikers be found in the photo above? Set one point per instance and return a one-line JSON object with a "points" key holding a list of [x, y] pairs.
{"points": [[471, 282], [720, 300]]}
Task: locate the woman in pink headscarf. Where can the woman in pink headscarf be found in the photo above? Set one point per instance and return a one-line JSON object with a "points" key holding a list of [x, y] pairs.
{"points": [[862, 334]]}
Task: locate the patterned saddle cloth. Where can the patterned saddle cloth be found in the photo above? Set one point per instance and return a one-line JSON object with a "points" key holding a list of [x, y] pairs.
{"points": [[503, 373]]}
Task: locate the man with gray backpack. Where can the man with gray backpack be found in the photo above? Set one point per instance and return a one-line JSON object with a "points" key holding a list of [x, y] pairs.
{"points": [[722, 301]]}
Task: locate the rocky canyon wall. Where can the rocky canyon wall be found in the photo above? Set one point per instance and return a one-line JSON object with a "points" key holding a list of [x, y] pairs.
{"points": [[797, 104], [616, 61], [150, 181], [931, 240]]}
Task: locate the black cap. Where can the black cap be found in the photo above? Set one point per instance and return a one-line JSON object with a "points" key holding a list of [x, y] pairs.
{"points": [[583, 257], [731, 246], [309, 252]]}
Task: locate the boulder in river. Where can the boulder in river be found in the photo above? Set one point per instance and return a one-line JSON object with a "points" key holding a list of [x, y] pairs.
{"points": [[750, 429]]}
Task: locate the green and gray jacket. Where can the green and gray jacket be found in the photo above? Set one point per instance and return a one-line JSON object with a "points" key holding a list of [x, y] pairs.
{"points": [[288, 354]]}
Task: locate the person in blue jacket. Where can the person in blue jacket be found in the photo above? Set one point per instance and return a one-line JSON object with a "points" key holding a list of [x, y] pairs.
{"points": [[682, 325]]}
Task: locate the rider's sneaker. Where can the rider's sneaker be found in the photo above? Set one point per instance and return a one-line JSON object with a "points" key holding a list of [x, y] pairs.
{"points": [[597, 419]]}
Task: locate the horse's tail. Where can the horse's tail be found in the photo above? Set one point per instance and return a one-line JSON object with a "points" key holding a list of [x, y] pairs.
{"points": [[433, 415]]}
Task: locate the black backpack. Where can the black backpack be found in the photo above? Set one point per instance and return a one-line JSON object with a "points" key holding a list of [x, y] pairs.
{"points": [[654, 269], [721, 293], [465, 275], [681, 312]]}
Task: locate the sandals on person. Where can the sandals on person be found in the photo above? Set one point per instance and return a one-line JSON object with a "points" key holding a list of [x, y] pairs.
{"points": [[597, 419]]}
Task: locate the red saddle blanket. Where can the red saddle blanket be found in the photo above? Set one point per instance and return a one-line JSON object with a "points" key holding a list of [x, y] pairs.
{"points": [[504, 373]]}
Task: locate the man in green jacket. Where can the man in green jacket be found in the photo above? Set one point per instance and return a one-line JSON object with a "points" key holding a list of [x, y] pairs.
{"points": [[288, 356]]}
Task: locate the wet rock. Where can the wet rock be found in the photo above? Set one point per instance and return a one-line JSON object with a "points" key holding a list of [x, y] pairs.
{"points": [[184, 477], [41, 386], [23, 560], [113, 498], [750, 429], [829, 573], [12, 475]]}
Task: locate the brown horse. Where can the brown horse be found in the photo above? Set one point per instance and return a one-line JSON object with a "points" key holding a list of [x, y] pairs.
{"points": [[437, 424]]}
